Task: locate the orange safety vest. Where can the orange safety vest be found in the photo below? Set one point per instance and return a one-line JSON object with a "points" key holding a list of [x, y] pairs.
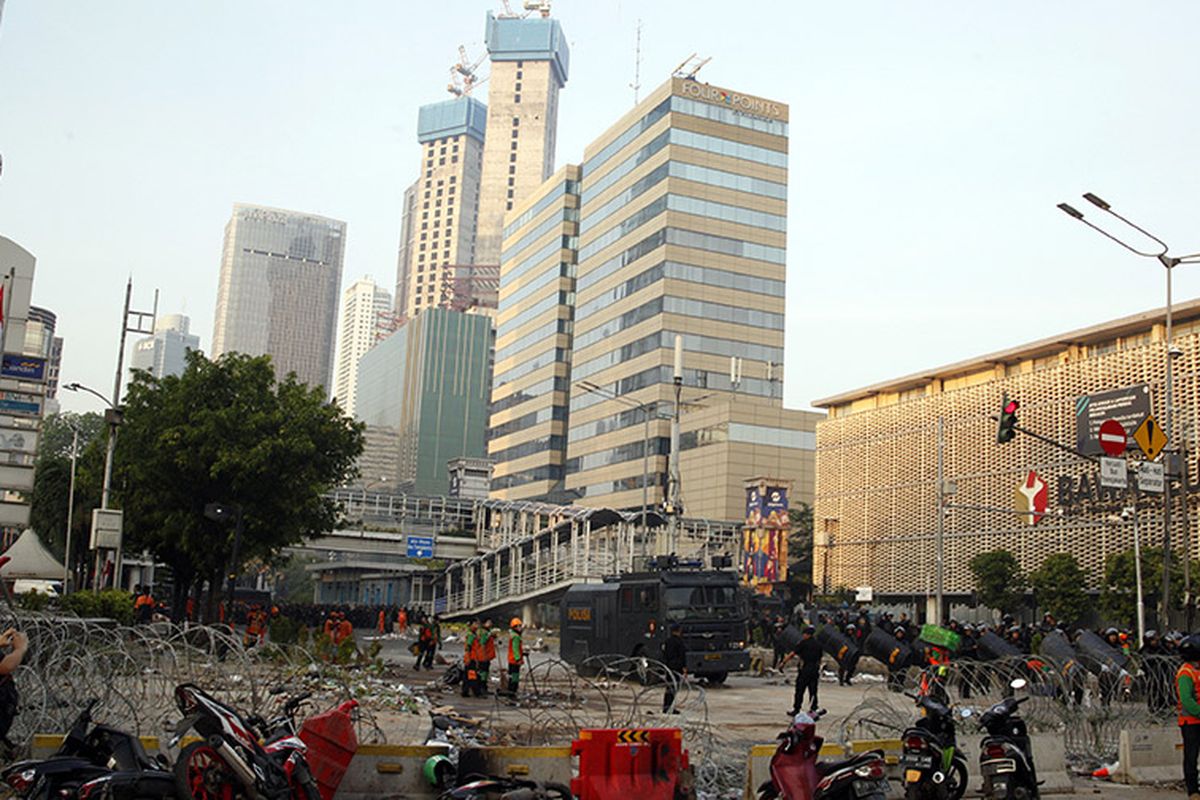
{"points": [[474, 651], [516, 650], [1189, 670], [489, 645], [344, 631]]}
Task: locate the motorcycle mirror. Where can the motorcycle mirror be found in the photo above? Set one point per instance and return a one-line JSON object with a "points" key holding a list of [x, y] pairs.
{"points": [[966, 712], [1018, 684]]}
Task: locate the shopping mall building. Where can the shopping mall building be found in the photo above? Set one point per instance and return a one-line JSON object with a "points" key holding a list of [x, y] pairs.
{"points": [[876, 500]]}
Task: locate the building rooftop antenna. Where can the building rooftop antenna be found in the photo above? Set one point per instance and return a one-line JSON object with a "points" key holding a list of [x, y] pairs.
{"points": [[637, 63], [688, 68], [508, 12]]}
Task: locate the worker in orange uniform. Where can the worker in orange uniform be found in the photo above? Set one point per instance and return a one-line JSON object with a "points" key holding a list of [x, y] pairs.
{"points": [[472, 656], [330, 624], [489, 636], [250, 638], [344, 630], [933, 680], [516, 655], [402, 620], [1187, 704], [382, 618]]}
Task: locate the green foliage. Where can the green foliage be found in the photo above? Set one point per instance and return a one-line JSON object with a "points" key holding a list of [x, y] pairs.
{"points": [[298, 584], [836, 597], [227, 432], [33, 600], [52, 480], [1059, 585], [284, 630], [800, 549], [111, 604], [998, 580], [1118, 594]]}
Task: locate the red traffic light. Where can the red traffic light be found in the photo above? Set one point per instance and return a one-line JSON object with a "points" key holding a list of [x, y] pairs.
{"points": [[1011, 407]]}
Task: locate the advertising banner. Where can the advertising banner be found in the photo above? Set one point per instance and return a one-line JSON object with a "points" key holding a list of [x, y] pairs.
{"points": [[755, 507], [20, 404], [775, 508], [764, 556], [26, 368]]}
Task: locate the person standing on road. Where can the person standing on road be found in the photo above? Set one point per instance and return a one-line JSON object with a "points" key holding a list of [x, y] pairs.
{"points": [[1187, 684], [488, 641], [516, 655], [9, 698], [808, 676], [427, 641], [472, 658], [674, 653]]}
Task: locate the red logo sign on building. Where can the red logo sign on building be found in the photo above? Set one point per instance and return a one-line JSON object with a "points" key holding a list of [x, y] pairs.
{"points": [[1032, 497]]}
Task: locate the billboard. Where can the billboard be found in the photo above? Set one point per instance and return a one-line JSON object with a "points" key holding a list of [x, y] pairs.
{"points": [[26, 368], [764, 556], [767, 507], [20, 404]]}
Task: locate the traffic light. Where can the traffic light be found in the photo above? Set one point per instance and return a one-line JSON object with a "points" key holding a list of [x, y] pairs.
{"points": [[1006, 431]]}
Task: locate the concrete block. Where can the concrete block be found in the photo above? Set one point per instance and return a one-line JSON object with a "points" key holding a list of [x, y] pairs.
{"points": [[1150, 755], [388, 772]]}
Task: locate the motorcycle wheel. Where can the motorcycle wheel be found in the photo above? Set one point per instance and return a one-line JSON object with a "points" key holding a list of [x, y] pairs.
{"points": [[956, 781], [303, 778], [201, 774]]}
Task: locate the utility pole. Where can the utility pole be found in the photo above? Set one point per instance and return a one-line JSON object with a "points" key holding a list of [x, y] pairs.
{"points": [[675, 494]]}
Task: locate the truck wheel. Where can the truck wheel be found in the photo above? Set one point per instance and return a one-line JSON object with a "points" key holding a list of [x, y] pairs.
{"points": [[716, 678]]}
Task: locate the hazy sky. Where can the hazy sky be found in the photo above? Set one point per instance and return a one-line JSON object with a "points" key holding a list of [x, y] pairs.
{"points": [[930, 142]]}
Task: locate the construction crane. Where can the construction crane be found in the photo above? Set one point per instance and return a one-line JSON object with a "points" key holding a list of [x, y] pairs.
{"points": [[540, 6], [688, 68], [463, 75]]}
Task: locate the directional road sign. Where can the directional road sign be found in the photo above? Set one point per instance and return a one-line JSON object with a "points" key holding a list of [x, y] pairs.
{"points": [[1113, 473], [420, 547], [1112, 438], [1150, 437], [1151, 477]]}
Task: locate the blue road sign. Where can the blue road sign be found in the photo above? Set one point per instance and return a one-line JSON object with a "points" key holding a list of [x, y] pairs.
{"points": [[420, 546]]}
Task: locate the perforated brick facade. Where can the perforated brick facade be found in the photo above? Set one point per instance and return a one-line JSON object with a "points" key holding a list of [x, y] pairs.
{"points": [[876, 499]]}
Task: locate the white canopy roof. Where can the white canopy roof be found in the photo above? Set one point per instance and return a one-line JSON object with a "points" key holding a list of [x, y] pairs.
{"points": [[30, 559]]}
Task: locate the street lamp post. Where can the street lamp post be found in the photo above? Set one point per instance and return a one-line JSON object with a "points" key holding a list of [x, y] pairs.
{"points": [[68, 573], [1169, 262], [112, 416]]}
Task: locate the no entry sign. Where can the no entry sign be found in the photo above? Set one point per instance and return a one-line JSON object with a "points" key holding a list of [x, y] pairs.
{"points": [[1112, 438]]}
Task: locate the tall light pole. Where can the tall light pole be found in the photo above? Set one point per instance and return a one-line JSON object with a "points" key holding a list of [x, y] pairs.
{"points": [[1169, 262], [112, 416], [68, 573]]}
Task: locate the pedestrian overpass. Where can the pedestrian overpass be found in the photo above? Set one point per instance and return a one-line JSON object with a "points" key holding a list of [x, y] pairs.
{"points": [[532, 552], [489, 555]]}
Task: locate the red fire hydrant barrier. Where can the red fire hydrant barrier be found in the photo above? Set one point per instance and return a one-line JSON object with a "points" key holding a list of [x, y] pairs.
{"points": [[331, 742], [615, 762]]}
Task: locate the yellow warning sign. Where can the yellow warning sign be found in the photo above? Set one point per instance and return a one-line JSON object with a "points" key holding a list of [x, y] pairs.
{"points": [[1150, 437], [633, 736]]}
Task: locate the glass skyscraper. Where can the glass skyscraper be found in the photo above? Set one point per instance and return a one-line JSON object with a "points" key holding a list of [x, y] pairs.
{"points": [[281, 272], [528, 427]]}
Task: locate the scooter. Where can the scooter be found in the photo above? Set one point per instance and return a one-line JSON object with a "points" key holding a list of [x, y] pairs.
{"points": [[229, 759], [933, 765], [89, 753], [1005, 757], [796, 774]]}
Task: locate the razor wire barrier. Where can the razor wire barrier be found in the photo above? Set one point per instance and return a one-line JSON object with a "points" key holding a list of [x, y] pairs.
{"points": [[132, 673], [1089, 708]]}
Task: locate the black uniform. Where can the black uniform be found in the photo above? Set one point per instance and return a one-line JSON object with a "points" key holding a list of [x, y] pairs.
{"points": [[809, 674], [675, 658]]}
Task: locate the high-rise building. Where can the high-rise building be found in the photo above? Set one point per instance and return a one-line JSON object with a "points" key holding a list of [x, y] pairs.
{"points": [[278, 293], [428, 383], [527, 435], [682, 232], [446, 203], [366, 310], [529, 64], [165, 353], [22, 400], [408, 220], [41, 341]]}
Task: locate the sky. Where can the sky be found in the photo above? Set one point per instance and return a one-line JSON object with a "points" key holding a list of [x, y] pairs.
{"points": [[930, 143]]}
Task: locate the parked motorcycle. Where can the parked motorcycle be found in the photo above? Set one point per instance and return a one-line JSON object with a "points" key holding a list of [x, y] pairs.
{"points": [[497, 788], [796, 774], [229, 760], [1005, 757], [933, 765], [91, 754]]}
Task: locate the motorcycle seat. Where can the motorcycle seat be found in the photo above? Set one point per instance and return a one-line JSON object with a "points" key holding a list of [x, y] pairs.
{"points": [[827, 767]]}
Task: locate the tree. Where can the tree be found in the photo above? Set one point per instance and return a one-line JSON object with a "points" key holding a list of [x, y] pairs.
{"points": [[1059, 585], [998, 580], [52, 480], [800, 549], [227, 432], [1118, 595]]}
